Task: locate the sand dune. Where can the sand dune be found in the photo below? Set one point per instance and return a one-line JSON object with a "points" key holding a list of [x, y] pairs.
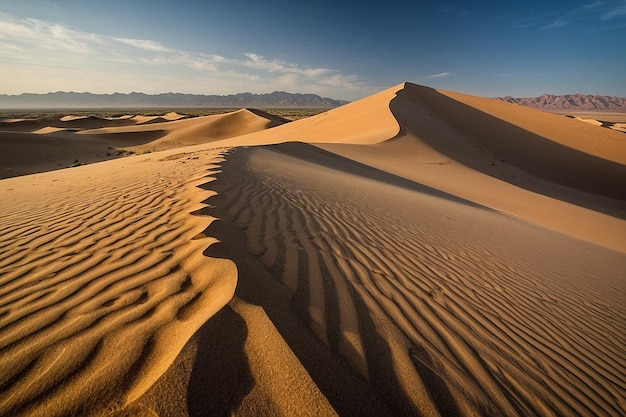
{"points": [[610, 121], [363, 122], [418, 252], [155, 119], [31, 146], [550, 171], [493, 162], [193, 131]]}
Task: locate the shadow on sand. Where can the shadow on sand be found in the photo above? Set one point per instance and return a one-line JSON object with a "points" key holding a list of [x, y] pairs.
{"points": [[553, 169], [345, 388]]}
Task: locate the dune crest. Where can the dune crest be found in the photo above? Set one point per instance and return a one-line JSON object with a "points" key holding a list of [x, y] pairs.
{"points": [[491, 156]]}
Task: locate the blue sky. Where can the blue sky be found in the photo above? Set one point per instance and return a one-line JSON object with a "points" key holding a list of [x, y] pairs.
{"points": [[339, 49]]}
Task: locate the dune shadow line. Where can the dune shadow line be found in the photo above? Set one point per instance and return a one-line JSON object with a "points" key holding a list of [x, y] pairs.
{"points": [[220, 376], [345, 389], [330, 160], [239, 189]]}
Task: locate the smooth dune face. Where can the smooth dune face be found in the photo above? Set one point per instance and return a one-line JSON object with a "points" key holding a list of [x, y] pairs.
{"points": [[364, 122], [418, 252]]}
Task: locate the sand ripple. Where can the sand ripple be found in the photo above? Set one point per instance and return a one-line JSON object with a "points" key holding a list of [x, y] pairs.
{"points": [[446, 308], [101, 283]]}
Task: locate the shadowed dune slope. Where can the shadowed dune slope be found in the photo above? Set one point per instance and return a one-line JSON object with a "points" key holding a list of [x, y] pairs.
{"points": [[456, 148], [547, 146], [65, 122], [23, 153], [444, 307]]}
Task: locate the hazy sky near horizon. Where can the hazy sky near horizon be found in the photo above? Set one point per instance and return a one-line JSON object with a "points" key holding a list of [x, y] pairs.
{"points": [[339, 49]]}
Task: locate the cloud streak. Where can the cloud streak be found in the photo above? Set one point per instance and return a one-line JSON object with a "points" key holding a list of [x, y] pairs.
{"points": [[596, 12], [145, 44], [439, 75], [125, 64], [614, 12]]}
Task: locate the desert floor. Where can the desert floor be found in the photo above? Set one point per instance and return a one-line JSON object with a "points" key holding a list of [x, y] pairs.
{"points": [[418, 252]]}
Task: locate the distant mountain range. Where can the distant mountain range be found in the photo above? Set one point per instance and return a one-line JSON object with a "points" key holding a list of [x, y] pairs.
{"points": [[580, 102], [277, 99], [171, 100]]}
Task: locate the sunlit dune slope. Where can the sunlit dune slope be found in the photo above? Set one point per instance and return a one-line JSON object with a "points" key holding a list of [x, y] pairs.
{"points": [[364, 122], [103, 280]]}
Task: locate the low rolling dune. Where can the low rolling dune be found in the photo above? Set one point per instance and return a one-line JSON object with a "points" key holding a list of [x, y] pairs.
{"points": [[418, 252], [35, 145]]}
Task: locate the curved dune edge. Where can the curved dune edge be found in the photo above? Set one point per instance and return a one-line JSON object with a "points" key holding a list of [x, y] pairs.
{"points": [[103, 280], [489, 155]]}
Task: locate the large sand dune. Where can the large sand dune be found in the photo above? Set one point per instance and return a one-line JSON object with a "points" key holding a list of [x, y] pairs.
{"points": [[418, 252]]}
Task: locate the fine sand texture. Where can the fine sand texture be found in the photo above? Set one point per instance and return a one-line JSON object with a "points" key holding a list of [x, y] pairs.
{"points": [[103, 280], [416, 253], [443, 306]]}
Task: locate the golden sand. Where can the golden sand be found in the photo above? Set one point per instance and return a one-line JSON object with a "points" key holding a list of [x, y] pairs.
{"points": [[418, 252]]}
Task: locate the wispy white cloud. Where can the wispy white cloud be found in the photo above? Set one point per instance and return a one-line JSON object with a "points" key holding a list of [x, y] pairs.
{"points": [[439, 75], [614, 12], [590, 5], [591, 15], [145, 44], [103, 63], [557, 24], [599, 11], [275, 65], [572, 15]]}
